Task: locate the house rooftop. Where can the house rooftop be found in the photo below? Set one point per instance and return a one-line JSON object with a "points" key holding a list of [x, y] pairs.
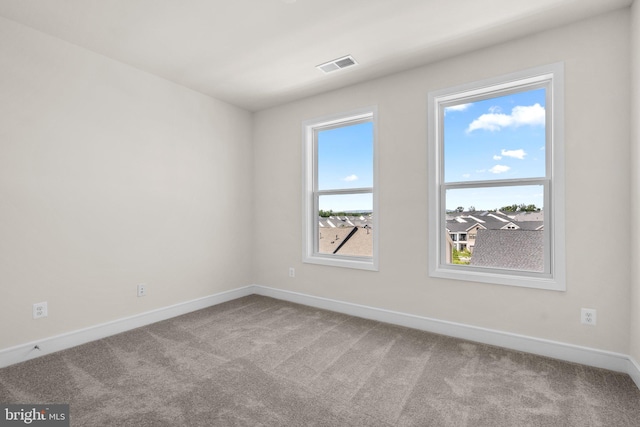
{"points": [[510, 249]]}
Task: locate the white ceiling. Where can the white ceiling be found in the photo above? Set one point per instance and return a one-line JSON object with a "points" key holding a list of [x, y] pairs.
{"points": [[260, 53]]}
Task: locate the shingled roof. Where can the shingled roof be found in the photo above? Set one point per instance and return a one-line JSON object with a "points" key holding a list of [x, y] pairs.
{"points": [[510, 249], [465, 221]]}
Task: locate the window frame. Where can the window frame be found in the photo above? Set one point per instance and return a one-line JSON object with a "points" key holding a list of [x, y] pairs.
{"points": [[551, 77], [311, 194]]}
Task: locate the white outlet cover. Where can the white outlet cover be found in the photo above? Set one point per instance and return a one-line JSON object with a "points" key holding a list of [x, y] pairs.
{"points": [[142, 289], [40, 310], [588, 316]]}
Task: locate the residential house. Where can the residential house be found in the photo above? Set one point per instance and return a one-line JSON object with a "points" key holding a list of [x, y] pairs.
{"points": [[464, 226]]}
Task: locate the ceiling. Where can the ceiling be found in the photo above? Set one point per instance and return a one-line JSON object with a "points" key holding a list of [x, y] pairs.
{"points": [[260, 53]]}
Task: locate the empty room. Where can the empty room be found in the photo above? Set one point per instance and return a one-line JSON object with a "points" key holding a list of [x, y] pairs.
{"points": [[319, 212]]}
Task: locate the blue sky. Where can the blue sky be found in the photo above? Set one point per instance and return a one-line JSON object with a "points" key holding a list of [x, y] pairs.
{"points": [[497, 138], [345, 160]]}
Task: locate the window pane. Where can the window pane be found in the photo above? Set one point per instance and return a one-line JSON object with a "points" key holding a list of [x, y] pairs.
{"points": [[497, 138], [496, 227], [516, 198], [345, 225], [345, 157]]}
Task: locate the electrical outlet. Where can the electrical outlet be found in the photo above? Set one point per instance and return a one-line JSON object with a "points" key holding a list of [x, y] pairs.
{"points": [[292, 272], [142, 289], [588, 316], [40, 310]]}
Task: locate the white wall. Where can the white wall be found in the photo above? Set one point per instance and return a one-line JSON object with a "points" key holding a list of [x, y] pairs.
{"points": [[110, 177], [635, 195], [596, 56]]}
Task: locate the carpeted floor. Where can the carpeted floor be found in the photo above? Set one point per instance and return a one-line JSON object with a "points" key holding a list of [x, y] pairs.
{"points": [[259, 361]]}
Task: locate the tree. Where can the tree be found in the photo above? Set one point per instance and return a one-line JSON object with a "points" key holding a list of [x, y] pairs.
{"points": [[520, 208], [460, 209], [461, 257], [472, 208], [510, 208]]}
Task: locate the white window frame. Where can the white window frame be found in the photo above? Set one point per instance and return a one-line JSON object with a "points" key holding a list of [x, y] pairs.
{"points": [[552, 78], [311, 194]]}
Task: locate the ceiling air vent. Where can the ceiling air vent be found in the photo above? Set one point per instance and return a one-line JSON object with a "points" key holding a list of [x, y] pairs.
{"points": [[337, 64]]}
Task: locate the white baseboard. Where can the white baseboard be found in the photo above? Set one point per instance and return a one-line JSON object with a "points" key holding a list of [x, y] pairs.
{"points": [[23, 352], [554, 349], [634, 371]]}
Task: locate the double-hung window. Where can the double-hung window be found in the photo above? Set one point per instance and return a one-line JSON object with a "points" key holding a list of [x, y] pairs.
{"points": [[340, 192], [496, 168]]}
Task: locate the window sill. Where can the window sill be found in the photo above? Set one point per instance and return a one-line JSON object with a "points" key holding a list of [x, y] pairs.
{"points": [[344, 262], [517, 280]]}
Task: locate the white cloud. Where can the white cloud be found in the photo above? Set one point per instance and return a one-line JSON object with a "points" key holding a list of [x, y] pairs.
{"points": [[466, 175], [459, 107], [532, 115], [499, 169], [496, 157], [350, 178], [516, 154]]}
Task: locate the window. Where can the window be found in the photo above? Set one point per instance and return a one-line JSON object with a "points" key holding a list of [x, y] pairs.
{"points": [[496, 167], [340, 196]]}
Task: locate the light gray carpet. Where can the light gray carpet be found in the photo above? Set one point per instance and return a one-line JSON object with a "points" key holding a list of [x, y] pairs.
{"points": [[259, 361]]}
